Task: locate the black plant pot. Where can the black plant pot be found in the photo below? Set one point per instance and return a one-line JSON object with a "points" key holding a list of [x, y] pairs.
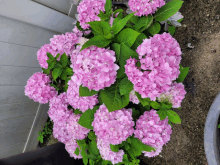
{"points": [[212, 134]]}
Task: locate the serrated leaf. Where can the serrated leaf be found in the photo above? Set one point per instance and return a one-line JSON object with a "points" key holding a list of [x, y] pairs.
{"points": [[50, 56], [51, 63], [101, 28], [125, 86], [138, 41], [183, 73], [92, 135], [117, 27], [56, 73], [99, 41], [155, 105], [116, 48], [147, 23], [84, 91], [144, 101], [168, 10], [76, 151], [93, 148], [108, 6], [112, 99], [87, 118], [143, 22], [173, 117], [114, 148], [63, 59], [127, 36], [166, 106], [135, 19], [155, 28], [171, 30], [162, 114]]}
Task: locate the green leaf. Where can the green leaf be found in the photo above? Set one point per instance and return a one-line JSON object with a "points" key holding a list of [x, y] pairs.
{"points": [[50, 56], [64, 59], [79, 27], [166, 106], [127, 36], [91, 162], [117, 27], [112, 99], [51, 63], [65, 88], [183, 73], [85, 158], [143, 23], [108, 6], [58, 65], [76, 151], [91, 156], [63, 75], [162, 114], [46, 71], [101, 28], [219, 126], [155, 28], [114, 148], [77, 111], [116, 48], [93, 148], [117, 11], [121, 73], [118, 18], [169, 122], [135, 19], [57, 56], [155, 105], [103, 16], [87, 118], [54, 87], [144, 101], [180, 20], [171, 30], [92, 135], [68, 71], [173, 117], [125, 86], [138, 41], [84, 91], [99, 41], [56, 73], [168, 10]]}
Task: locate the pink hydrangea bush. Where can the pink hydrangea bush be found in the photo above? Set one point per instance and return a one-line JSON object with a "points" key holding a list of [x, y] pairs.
{"points": [[94, 67], [145, 7], [77, 102], [113, 127], [71, 146], [75, 130], [88, 11], [39, 89], [175, 95], [152, 131], [160, 58], [107, 153]]}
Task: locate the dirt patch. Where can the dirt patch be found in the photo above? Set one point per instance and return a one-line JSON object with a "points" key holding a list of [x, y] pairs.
{"points": [[202, 21]]}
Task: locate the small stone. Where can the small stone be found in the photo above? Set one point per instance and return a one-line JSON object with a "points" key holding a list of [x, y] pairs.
{"points": [[207, 15], [184, 25], [217, 17], [213, 50], [189, 46]]}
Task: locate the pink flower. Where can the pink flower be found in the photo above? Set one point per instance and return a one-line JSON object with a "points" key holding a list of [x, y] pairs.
{"points": [[95, 67], [39, 89], [145, 7], [107, 153], [71, 146], [77, 102], [74, 129], [133, 97], [160, 58], [113, 127], [152, 131], [88, 11]]}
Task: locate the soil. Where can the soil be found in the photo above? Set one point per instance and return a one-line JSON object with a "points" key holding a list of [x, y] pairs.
{"points": [[201, 28], [202, 21]]}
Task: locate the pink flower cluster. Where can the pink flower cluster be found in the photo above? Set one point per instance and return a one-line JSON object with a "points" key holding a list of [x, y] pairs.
{"points": [[59, 114], [77, 102], [64, 43], [152, 131], [39, 89], [160, 58], [58, 44], [88, 11], [80, 33], [175, 95], [71, 146], [94, 67], [133, 98], [107, 153], [145, 7], [113, 127], [75, 130]]}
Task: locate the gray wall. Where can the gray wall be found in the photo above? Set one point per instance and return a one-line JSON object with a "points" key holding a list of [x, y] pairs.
{"points": [[19, 43]]}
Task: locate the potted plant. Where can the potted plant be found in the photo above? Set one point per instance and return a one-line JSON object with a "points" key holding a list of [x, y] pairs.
{"points": [[112, 84], [211, 133]]}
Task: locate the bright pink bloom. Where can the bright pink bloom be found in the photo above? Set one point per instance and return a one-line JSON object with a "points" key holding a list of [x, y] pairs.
{"points": [[39, 89], [71, 146]]}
